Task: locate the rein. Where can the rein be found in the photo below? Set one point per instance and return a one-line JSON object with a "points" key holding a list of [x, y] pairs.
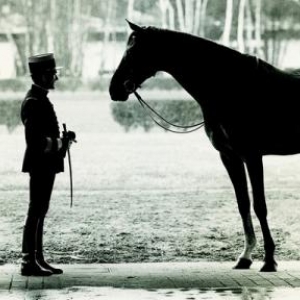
{"points": [[152, 111]]}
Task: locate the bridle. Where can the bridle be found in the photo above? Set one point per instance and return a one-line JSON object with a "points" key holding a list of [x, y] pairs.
{"points": [[151, 111], [131, 87]]}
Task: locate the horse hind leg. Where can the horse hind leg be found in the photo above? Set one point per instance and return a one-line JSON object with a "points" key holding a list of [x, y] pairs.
{"points": [[236, 171], [255, 170]]}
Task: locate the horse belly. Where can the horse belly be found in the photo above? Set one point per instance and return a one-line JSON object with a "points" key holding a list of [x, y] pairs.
{"points": [[281, 143], [245, 141], [276, 140]]}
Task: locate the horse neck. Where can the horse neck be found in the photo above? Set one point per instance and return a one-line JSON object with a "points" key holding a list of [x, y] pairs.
{"points": [[187, 65], [196, 63]]}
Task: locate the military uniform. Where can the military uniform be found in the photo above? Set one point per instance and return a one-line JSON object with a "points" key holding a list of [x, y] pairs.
{"points": [[41, 133], [43, 159]]}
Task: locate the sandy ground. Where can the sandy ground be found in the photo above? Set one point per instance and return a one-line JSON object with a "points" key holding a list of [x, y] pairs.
{"points": [[142, 196]]}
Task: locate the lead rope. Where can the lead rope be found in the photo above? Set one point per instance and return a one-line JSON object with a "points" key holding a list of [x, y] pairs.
{"points": [[146, 105]]}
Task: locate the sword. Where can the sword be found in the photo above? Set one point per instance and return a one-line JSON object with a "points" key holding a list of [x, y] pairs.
{"points": [[70, 167]]}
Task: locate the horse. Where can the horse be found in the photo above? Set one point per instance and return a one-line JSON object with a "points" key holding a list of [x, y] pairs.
{"points": [[248, 105]]}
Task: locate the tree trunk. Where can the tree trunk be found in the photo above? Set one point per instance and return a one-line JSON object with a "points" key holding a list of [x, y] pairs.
{"points": [[181, 20], [130, 10], [189, 15], [249, 38], [107, 28], [75, 38], [203, 18], [198, 21], [228, 23], [51, 25], [241, 26], [171, 15], [258, 29], [168, 15], [163, 10]]}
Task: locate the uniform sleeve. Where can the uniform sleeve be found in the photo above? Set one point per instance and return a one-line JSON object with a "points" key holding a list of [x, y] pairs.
{"points": [[32, 117], [32, 120]]}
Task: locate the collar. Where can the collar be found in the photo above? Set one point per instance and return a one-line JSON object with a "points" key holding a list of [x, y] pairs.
{"points": [[40, 91]]}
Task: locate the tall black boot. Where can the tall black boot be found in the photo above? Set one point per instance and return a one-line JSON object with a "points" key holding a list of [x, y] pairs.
{"points": [[41, 261], [39, 253], [30, 267]]}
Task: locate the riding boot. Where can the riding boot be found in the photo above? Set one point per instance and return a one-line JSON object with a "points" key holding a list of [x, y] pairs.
{"points": [[41, 261], [30, 267], [39, 253]]}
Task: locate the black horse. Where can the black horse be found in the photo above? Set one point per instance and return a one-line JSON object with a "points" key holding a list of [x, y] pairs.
{"points": [[249, 108]]}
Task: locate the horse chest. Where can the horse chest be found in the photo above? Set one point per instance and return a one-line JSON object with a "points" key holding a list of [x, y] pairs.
{"points": [[219, 138]]}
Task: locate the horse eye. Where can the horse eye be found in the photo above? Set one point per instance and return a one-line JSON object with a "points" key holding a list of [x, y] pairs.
{"points": [[131, 41]]}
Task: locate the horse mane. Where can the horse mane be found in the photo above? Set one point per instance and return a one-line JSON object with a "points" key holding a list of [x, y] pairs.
{"points": [[293, 73], [171, 32], [210, 45]]}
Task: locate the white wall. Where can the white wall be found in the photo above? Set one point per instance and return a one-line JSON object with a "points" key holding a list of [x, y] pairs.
{"points": [[292, 55], [7, 60], [95, 55]]}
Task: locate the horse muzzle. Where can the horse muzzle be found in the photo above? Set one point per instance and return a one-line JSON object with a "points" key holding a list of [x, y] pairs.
{"points": [[118, 94], [118, 97]]}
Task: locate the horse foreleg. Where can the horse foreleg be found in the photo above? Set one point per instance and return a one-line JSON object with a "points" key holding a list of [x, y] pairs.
{"points": [[255, 170], [236, 170]]}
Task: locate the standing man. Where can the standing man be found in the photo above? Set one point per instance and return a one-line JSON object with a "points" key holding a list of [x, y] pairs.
{"points": [[43, 159]]}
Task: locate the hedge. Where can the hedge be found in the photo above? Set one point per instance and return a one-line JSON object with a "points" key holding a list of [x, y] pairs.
{"points": [[10, 113], [76, 84], [131, 115]]}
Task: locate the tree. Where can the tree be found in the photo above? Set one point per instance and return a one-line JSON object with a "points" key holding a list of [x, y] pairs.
{"points": [[241, 26], [59, 26], [108, 22], [167, 14], [227, 23], [184, 15], [202, 24], [258, 28], [279, 19]]}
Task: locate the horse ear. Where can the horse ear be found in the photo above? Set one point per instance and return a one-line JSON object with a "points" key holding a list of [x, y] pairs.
{"points": [[133, 26]]}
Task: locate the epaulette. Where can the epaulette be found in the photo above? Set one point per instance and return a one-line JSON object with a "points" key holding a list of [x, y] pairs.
{"points": [[30, 98]]}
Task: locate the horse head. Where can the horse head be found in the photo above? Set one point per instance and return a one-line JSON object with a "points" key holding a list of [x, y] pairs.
{"points": [[136, 65]]}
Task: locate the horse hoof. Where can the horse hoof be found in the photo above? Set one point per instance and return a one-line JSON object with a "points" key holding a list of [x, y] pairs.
{"points": [[243, 264], [269, 267]]}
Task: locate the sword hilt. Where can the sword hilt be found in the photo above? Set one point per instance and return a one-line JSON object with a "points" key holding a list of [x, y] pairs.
{"points": [[64, 127], [65, 132]]}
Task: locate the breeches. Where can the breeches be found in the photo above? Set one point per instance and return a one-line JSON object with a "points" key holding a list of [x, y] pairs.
{"points": [[41, 185]]}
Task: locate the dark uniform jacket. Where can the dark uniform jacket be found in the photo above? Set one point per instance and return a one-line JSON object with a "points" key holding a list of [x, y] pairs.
{"points": [[41, 133]]}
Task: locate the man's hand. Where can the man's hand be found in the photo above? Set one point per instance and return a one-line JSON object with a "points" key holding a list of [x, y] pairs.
{"points": [[67, 139], [70, 136]]}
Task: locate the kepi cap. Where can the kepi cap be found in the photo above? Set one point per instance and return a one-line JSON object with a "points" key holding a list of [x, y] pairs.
{"points": [[42, 63]]}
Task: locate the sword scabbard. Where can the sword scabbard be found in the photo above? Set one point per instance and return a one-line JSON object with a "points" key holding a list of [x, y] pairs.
{"points": [[70, 167]]}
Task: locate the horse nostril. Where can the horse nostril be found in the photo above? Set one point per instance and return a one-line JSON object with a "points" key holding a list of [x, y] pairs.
{"points": [[129, 86]]}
